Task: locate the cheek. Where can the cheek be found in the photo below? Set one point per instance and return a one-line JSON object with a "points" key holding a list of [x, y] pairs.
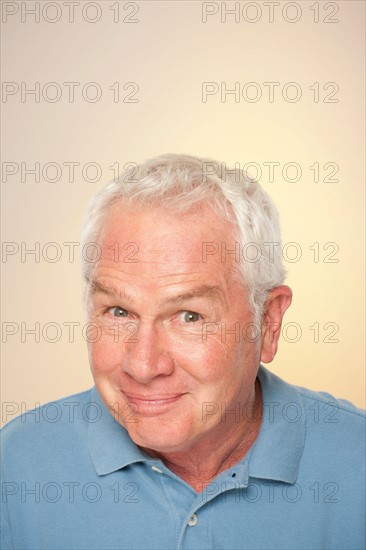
{"points": [[223, 364], [206, 360], [104, 355]]}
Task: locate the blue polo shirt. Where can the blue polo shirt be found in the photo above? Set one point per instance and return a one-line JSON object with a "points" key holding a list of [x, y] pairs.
{"points": [[73, 479]]}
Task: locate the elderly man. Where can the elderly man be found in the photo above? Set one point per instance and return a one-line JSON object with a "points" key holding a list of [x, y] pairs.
{"points": [[186, 441]]}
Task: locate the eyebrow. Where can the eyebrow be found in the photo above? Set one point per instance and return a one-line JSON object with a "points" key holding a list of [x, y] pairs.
{"points": [[211, 291], [96, 286]]}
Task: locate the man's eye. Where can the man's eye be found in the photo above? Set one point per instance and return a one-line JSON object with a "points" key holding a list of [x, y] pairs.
{"points": [[118, 311], [191, 316]]}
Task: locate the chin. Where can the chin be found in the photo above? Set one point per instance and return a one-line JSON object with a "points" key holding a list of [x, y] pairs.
{"points": [[154, 437]]}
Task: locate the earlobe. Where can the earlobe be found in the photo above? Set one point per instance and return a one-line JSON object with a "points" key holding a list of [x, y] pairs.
{"points": [[278, 300]]}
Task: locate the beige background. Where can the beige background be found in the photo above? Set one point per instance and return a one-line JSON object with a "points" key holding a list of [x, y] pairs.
{"points": [[169, 52]]}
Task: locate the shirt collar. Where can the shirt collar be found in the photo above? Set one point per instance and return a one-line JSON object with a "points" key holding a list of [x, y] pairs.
{"points": [[277, 451], [110, 446], [275, 454]]}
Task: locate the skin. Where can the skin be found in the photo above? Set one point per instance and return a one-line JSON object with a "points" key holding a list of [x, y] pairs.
{"points": [[165, 379]]}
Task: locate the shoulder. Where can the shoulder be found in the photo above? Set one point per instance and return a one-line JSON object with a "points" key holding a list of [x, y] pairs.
{"points": [[322, 437], [334, 441], [56, 419], [324, 407], [335, 428], [289, 394], [326, 420]]}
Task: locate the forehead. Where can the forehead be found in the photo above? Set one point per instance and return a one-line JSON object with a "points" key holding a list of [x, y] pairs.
{"points": [[151, 234]]}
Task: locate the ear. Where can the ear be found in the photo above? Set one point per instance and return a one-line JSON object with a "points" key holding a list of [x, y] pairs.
{"points": [[278, 300]]}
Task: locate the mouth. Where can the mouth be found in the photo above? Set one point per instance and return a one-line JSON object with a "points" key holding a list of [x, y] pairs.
{"points": [[152, 404]]}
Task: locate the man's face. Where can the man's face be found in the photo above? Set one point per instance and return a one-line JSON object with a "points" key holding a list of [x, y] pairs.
{"points": [[165, 373]]}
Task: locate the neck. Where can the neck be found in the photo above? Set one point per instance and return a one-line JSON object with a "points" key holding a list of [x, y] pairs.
{"points": [[201, 463]]}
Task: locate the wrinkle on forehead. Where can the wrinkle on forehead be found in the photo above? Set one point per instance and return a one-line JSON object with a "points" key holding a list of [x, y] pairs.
{"points": [[163, 244], [211, 291], [199, 216]]}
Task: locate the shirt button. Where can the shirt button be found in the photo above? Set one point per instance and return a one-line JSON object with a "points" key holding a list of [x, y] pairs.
{"points": [[193, 521], [156, 469]]}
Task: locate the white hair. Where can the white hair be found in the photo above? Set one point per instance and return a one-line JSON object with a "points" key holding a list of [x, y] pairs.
{"points": [[178, 183]]}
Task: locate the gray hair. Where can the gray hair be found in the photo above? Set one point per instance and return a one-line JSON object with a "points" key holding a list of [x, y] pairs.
{"points": [[178, 182]]}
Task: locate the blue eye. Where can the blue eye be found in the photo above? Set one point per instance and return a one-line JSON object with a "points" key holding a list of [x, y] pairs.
{"points": [[119, 311], [191, 316]]}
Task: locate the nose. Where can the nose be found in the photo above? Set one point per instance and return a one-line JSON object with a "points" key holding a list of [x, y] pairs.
{"points": [[148, 357]]}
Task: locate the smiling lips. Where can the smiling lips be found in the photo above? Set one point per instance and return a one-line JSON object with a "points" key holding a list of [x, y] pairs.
{"points": [[152, 404]]}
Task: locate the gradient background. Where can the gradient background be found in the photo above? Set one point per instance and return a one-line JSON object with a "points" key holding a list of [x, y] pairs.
{"points": [[169, 52]]}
